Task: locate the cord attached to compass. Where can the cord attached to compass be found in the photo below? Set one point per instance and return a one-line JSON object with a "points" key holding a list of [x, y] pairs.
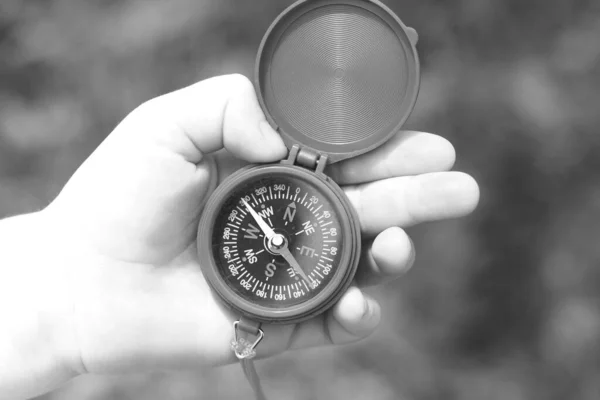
{"points": [[245, 351]]}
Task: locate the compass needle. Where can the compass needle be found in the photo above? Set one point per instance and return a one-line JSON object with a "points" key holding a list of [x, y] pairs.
{"points": [[269, 233], [294, 264]]}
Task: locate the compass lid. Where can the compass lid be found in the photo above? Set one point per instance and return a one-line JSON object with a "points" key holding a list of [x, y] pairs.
{"points": [[339, 77]]}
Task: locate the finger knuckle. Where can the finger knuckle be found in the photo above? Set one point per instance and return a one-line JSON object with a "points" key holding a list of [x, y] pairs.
{"points": [[238, 82]]}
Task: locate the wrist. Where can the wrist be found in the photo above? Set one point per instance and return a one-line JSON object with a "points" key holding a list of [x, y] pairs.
{"points": [[38, 346], [61, 259]]}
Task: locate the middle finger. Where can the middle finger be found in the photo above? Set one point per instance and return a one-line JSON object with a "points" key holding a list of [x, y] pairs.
{"points": [[407, 201]]}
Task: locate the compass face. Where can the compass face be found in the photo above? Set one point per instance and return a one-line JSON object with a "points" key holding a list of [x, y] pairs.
{"points": [[277, 241]]}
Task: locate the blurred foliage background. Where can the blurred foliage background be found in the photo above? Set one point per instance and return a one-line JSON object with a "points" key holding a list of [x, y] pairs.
{"points": [[502, 305]]}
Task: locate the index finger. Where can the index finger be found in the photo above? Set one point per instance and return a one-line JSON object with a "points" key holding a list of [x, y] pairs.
{"points": [[407, 153]]}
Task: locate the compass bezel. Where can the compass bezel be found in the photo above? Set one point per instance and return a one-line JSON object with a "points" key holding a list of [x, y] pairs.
{"points": [[344, 273]]}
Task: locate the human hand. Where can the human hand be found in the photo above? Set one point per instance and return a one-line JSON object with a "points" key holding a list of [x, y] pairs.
{"points": [[125, 229]]}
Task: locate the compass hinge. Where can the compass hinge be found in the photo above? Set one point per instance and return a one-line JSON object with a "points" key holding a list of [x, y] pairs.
{"points": [[308, 159]]}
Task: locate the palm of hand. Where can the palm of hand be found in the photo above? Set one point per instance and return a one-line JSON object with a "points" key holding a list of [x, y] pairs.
{"points": [[139, 297]]}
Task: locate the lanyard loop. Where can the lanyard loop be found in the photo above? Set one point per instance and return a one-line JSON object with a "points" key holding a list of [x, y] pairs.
{"points": [[245, 351]]}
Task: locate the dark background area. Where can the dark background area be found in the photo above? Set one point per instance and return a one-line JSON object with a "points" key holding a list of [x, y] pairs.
{"points": [[504, 304]]}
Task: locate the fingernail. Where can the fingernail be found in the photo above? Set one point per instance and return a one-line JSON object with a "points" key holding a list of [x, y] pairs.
{"points": [[367, 309]]}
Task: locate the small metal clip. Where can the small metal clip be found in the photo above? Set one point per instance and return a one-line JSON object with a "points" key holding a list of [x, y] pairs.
{"points": [[244, 349]]}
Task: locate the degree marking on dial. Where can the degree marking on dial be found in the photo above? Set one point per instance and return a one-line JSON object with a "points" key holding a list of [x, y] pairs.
{"points": [[255, 285], [304, 198], [270, 192], [330, 241], [242, 274], [241, 211], [327, 258], [236, 227], [305, 285], [324, 225], [287, 196], [271, 295], [318, 209]]}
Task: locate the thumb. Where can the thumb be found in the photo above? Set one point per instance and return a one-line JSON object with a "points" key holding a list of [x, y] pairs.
{"points": [[221, 112]]}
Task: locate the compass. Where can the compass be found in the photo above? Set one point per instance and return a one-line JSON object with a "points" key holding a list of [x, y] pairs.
{"points": [[280, 243]]}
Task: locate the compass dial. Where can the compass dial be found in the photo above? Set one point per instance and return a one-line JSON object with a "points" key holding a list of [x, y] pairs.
{"points": [[277, 241]]}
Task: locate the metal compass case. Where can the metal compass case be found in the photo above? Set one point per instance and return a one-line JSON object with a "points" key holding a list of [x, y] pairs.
{"points": [[280, 243]]}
